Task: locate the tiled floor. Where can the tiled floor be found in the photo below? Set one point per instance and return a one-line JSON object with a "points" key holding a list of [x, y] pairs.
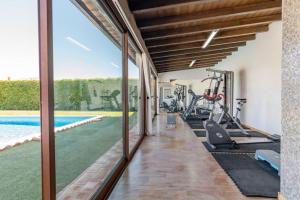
{"points": [[174, 165]]}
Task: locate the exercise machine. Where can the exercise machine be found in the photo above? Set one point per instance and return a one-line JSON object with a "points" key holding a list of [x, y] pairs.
{"points": [[231, 122], [224, 117], [192, 105], [174, 103], [215, 133], [204, 111]]}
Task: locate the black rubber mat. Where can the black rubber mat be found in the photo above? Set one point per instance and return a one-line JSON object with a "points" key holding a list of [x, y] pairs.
{"points": [[195, 118], [196, 125], [236, 127], [240, 134], [253, 178], [202, 133], [245, 148], [201, 117]]}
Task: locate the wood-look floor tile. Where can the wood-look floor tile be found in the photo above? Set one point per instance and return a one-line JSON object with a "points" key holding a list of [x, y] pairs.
{"points": [[174, 165]]}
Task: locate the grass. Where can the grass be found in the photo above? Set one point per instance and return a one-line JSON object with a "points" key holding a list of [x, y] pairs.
{"points": [[76, 149]]}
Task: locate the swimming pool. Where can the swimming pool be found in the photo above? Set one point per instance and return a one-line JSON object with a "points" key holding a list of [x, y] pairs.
{"points": [[35, 120], [16, 129]]}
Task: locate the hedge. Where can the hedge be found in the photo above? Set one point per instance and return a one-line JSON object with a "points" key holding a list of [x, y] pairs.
{"points": [[19, 95], [76, 94]]}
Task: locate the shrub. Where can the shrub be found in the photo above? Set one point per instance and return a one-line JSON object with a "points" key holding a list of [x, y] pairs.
{"points": [[19, 95], [70, 94]]}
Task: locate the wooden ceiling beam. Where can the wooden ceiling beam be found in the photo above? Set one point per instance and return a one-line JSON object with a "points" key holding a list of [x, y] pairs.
{"points": [[185, 51], [199, 44], [178, 59], [197, 54], [183, 69], [225, 25], [203, 36], [186, 58], [186, 67], [209, 48], [182, 65], [140, 7], [212, 14], [188, 61]]}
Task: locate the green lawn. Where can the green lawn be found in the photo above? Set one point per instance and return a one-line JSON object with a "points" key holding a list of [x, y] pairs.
{"points": [[76, 149]]}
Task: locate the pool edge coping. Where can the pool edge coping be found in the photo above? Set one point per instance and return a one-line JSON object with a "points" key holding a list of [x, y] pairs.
{"points": [[37, 136]]}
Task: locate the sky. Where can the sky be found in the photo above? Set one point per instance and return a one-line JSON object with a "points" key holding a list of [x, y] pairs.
{"points": [[81, 50], [18, 39]]}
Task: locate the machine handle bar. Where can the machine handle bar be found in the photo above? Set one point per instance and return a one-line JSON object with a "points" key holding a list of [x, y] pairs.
{"points": [[214, 97]]}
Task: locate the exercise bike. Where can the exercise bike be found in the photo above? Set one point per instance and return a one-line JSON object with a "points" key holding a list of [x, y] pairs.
{"points": [[227, 120], [234, 124]]}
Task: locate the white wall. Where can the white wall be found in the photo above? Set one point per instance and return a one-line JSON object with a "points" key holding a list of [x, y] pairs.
{"points": [[257, 68]]}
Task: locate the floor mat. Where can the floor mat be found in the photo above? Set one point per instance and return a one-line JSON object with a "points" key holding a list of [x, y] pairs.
{"points": [[236, 127], [245, 148], [253, 178], [196, 125], [202, 133], [195, 118]]}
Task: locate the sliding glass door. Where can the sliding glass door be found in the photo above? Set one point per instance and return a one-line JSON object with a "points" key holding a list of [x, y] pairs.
{"points": [[134, 94], [87, 98], [153, 94], [63, 97]]}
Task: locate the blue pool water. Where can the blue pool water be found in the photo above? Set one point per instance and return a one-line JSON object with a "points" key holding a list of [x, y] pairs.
{"points": [[35, 120], [14, 129]]}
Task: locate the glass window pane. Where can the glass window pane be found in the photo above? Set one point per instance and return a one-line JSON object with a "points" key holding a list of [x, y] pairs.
{"points": [[88, 98], [134, 95], [20, 154], [153, 95]]}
